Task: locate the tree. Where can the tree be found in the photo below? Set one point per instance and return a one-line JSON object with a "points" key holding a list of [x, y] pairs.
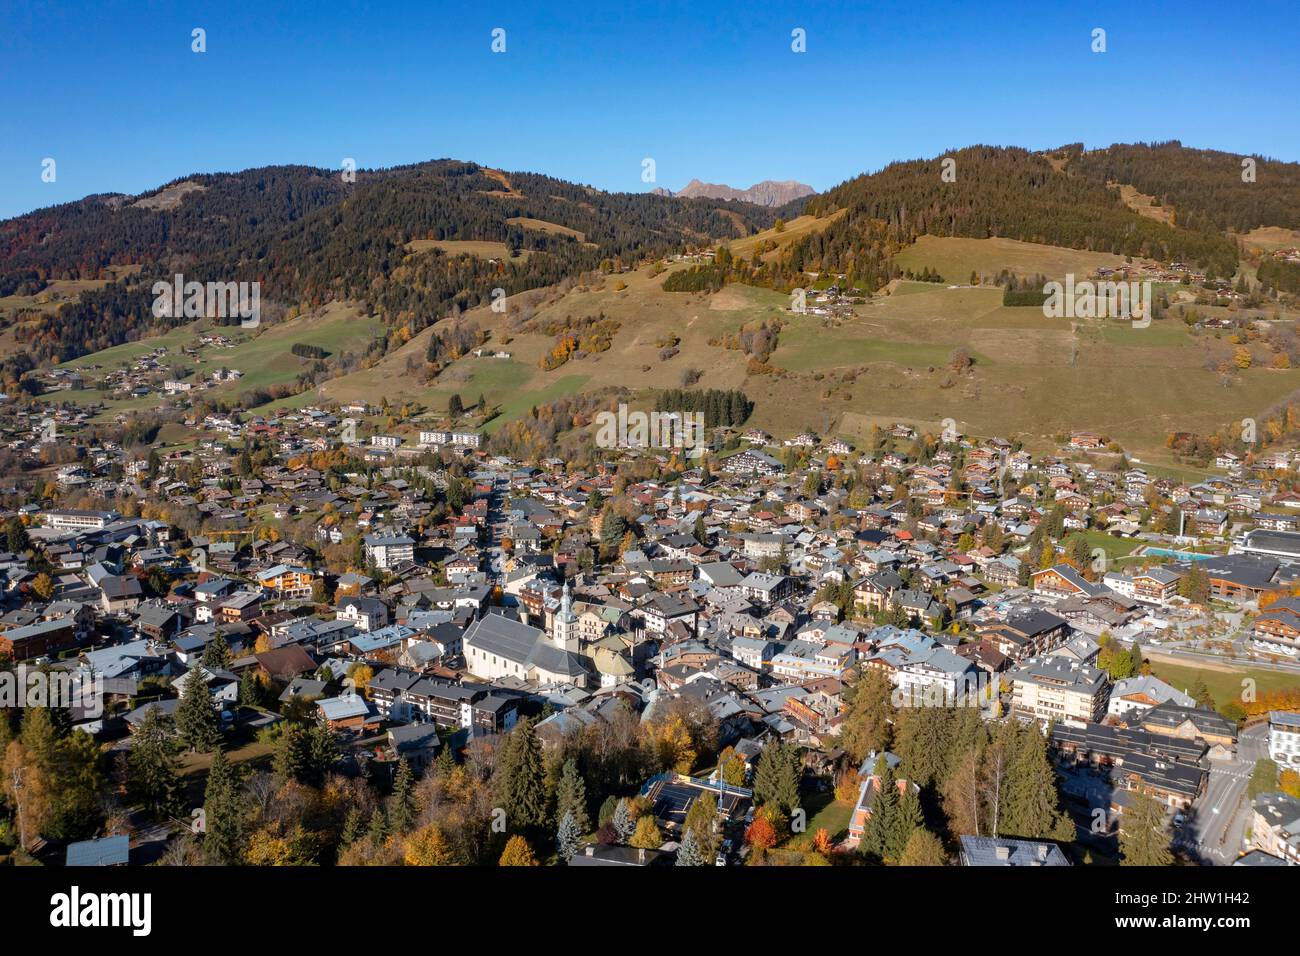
{"points": [[624, 825], [776, 777], [571, 797], [197, 723], [689, 852], [401, 804], [1143, 838], [907, 820], [1263, 779], [879, 834], [217, 653], [152, 774], [455, 407], [731, 768], [567, 836], [962, 802], [866, 728], [923, 849], [43, 586], [647, 835], [1200, 693], [519, 781], [517, 853], [761, 835], [1032, 803], [428, 846], [225, 835]]}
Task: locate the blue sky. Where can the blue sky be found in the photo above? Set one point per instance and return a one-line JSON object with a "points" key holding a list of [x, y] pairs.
{"points": [[112, 91]]}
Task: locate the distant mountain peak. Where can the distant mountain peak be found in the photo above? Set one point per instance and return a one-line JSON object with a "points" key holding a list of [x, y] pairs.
{"points": [[769, 192]]}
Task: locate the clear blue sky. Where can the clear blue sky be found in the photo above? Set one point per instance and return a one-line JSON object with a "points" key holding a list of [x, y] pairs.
{"points": [[112, 91]]}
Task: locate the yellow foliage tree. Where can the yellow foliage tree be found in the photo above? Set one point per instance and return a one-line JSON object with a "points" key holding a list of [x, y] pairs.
{"points": [[428, 846], [517, 853], [647, 835]]}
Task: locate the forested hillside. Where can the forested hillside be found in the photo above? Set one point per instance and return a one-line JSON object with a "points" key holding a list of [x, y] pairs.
{"points": [[310, 238], [996, 192], [1205, 187]]}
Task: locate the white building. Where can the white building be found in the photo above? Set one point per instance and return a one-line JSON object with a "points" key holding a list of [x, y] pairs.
{"points": [[386, 551], [1284, 738]]}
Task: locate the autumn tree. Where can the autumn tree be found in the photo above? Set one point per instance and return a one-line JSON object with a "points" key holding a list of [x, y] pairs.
{"points": [[923, 849], [428, 846], [517, 853]]}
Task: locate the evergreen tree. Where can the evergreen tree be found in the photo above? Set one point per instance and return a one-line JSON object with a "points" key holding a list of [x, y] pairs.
{"points": [[519, 782], [377, 831], [907, 820], [352, 830], [223, 812], [217, 654], [1032, 803], [624, 825], [401, 804], [250, 689], [567, 836], [1144, 839], [689, 853], [152, 773], [196, 719], [878, 834], [571, 796], [922, 734], [776, 777], [322, 753]]}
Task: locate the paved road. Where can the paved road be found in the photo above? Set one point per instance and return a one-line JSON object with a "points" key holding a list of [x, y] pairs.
{"points": [[1217, 826]]}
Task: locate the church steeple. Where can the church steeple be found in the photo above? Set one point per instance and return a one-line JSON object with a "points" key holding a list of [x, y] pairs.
{"points": [[565, 629]]}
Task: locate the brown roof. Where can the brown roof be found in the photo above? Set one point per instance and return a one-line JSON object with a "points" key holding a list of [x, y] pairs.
{"points": [[285, 663]]}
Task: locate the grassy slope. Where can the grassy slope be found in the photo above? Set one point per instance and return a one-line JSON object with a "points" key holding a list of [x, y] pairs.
{"points": [[1033, 376]]}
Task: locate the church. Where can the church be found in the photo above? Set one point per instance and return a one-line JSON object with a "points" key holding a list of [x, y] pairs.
{"points": [[498, 646]]}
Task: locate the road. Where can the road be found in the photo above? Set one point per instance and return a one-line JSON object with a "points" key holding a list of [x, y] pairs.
{"points": [[1216, 827]]}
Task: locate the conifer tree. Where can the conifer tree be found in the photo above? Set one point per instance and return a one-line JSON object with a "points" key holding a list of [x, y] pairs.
{"points": [[1032, 804], [519, 781], [571, 796], [647, 835], [152, 774], [776, 777], [225, 833], [689, 852], [196, 720], [567, 836], [877, 834], [624, 825], [401, 804], [517, 853], [352, 829], [1144, 839], [923, 849]]}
